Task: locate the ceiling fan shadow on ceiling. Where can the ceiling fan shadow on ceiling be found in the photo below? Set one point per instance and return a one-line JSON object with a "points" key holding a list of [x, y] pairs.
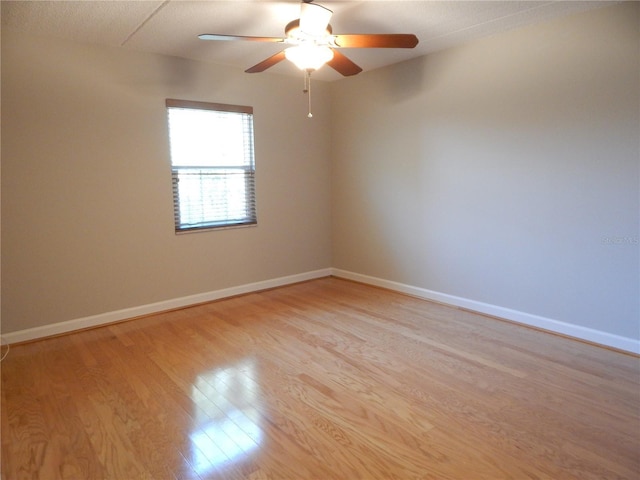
{"points": [[311, 44]]}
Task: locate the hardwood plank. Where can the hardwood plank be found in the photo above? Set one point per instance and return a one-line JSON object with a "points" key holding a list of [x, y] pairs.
{"points": [[322, 379]]}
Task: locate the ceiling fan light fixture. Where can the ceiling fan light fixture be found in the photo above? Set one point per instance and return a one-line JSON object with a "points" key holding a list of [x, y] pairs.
{"points": [[309, 57]]}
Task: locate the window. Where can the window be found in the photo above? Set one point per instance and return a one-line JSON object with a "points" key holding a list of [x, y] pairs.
{"points": [[212, 165]]}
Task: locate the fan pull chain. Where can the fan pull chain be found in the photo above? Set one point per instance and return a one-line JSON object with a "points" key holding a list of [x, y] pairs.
{"points": [[307, 89]]}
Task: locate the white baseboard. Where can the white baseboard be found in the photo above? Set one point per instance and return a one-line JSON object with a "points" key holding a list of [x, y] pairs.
{"points": [[576, 331], [555, 326], [118, 315]]}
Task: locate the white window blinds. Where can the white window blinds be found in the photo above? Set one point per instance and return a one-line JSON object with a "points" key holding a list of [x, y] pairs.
{"points": [[212, 164]]}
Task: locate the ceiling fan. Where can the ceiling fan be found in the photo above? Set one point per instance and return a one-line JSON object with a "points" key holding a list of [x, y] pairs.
{"points": [[312, 42]]}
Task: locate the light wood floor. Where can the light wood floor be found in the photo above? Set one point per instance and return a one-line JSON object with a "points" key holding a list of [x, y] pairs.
{"points": [[327, 379]]}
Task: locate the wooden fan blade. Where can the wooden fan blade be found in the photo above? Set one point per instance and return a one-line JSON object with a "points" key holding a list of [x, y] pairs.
{"points": [[341, 64], [375, 40], [215, 36], [267, 63]]}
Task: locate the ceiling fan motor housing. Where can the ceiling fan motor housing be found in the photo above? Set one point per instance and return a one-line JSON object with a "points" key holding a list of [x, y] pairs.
{"points": [[292, 30]]}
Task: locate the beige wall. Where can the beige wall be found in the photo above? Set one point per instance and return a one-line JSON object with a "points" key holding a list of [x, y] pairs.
{"points": [[87, 219], [504, 171]]}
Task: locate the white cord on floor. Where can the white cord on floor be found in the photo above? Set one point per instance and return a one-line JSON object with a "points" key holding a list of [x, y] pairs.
{"points": [[5, 353]]}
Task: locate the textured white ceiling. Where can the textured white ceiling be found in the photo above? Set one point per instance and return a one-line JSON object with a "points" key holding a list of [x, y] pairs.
{"points": [[171, 27]]}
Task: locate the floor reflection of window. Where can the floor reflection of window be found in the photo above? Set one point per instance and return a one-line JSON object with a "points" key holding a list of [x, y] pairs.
{"points": [[226, 418]]}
